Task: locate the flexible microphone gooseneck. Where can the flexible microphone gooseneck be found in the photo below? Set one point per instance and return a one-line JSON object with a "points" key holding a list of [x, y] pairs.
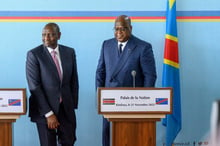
{"points": [[133, 73]]}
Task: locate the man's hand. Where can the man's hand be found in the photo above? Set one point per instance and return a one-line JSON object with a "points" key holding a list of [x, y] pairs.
{"points": [[52, 122]]}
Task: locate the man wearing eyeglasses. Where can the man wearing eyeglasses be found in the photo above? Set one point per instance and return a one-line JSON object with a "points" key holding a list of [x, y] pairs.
{"points": [[121, 57]]}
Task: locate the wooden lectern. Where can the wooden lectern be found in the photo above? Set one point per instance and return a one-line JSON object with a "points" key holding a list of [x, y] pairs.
{"points": [[12, 105], [134, 113]]}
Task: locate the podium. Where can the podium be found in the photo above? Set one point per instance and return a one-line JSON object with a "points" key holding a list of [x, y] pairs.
{"points": [[134, 112], [12, 105]]}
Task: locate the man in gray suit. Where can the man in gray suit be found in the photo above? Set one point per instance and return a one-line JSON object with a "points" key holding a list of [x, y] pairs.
{"points": [[53, 82], [121, 56]]}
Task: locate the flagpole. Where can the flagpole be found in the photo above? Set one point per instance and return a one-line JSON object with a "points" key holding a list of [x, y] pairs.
{"points": [[171, 73]]}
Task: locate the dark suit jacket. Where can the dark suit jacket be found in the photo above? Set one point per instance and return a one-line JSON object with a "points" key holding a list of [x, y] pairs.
{"points": [[45, 85], [114, 70]]}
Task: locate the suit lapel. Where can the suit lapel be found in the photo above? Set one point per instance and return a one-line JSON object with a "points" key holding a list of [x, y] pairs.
{"points": [[62, 60], [49, 58], [50, 62], [124, 56]]}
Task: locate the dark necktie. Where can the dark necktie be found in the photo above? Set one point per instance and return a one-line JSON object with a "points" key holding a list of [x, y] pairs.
{"points": [[120, 48]]}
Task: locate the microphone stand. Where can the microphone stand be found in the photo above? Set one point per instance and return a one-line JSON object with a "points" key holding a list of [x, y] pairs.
{"points": [[133, 73]]}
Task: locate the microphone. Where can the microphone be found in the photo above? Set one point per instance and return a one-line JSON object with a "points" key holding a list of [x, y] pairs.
{"points": [[133, 73]]}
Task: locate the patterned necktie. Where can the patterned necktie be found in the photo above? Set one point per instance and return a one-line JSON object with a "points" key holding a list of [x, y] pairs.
{"points": [[120, 48], [54, 56]]}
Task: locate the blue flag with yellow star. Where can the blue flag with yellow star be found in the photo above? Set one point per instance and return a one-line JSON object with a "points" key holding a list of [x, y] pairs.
{"points": [[171, 73]]}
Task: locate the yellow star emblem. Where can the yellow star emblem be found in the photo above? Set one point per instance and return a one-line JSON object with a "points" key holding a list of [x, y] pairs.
{"points": [[171, 2]]}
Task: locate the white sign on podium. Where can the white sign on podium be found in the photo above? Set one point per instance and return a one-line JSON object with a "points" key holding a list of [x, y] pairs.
{"points": [[138, 100], [12, 101]]}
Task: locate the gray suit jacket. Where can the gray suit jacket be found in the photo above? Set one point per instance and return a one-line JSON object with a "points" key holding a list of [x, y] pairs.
{"points": [[114, 70], [45, 85]]}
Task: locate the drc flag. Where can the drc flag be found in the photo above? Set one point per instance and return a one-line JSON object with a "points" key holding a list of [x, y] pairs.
{"points": [[163, 101], [14, 102], [171, 73]]}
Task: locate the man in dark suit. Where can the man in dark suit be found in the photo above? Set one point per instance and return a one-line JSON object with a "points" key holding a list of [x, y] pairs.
{"points": [[117, 64], [54, 89]]}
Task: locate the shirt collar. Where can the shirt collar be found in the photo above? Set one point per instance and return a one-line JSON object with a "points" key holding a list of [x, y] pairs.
{"points": [[123, 43], [56, 49]]}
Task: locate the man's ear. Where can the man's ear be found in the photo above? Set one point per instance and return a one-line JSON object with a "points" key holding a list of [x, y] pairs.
{"points": [[59, 35]]}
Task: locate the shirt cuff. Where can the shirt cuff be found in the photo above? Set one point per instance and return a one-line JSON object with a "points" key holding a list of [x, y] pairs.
{"points": [[49, 114]]}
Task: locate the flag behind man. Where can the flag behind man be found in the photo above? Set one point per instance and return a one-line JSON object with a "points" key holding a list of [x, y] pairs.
{"points": [[171, 73]]}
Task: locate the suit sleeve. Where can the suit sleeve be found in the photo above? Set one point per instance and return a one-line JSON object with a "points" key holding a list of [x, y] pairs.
{"points": [[38, 98], [148, 66], [101, 70], [75, 82]]}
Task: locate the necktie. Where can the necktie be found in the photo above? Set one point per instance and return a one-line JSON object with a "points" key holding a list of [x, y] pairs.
{"points": [[120, 48], [54, 56]]}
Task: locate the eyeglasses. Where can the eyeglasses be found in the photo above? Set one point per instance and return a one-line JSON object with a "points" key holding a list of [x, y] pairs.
{"points": [[121, 29]]}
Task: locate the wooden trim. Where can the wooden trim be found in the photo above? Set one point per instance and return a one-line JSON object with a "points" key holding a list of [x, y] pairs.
{"points": [[133, 120]]}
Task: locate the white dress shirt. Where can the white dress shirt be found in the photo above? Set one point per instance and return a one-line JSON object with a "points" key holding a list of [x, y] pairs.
{"points": [[59, 60], [123, 45], [58, 56]]}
